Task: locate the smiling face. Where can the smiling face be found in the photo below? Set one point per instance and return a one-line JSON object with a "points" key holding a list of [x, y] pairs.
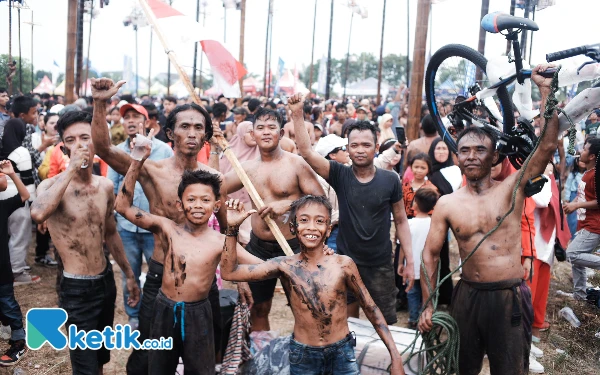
{"points": [[361, 147], [313, 225], [190, 132], [267, 133], [198, 202], [476, 156]]}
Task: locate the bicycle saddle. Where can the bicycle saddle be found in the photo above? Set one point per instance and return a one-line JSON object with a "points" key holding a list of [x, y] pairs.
{"points": [[497, 21]]}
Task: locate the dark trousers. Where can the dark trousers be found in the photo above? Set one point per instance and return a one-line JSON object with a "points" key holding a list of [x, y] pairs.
{"points": [[10, 311], [190, 326], [137, 364], [90, 305]]}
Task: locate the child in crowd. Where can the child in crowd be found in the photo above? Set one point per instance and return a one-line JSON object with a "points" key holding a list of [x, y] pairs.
{"points": [[9, 307], [420, 166], [316, 287], [570, 192], [182, 310], [425, 200]]}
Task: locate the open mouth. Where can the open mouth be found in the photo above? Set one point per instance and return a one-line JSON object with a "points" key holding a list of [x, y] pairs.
{"points": [[311, 236], [197, 215]]}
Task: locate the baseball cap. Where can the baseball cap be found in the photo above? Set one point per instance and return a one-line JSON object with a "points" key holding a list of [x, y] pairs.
{"points": [[136, 107], [365, 102], [364, 109], [329, 143], [319, 126]]}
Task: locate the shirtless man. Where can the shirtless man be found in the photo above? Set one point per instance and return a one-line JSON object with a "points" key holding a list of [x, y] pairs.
{"points": [[316, 287], [491, 303], [78, 208], [422, 144], [280, 178], [187, 128], [193, 251], [288, 128]]}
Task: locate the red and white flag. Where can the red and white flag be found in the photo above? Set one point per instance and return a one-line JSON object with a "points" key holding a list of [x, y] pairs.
{"points": [[176, 27], [226, 70]]}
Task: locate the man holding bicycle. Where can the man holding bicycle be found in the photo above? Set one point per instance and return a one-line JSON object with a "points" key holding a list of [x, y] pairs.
{"points": [[491, 303]]}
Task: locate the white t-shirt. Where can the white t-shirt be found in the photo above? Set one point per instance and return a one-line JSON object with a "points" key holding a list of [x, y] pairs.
{"points": [[419, 229]]}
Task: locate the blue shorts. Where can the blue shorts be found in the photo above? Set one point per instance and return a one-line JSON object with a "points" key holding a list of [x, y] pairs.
{"points": [[337, 358]]}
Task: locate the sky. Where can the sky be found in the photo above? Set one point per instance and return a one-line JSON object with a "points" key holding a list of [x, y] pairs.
{"points": [[568, 24]]}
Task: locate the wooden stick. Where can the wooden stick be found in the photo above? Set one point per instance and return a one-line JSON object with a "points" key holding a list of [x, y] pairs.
{"points": [[235, 163]]}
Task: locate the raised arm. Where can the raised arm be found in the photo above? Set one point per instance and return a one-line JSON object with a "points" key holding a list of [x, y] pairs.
{"points": [[7, 168], [431, 257], [102, 90], [318, 163], [115, 247], [356, 285], [124, 201], [549, 142], [51, 191], [230, 268]]}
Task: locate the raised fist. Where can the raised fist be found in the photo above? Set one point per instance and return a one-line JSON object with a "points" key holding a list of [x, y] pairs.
{"points": [[105, 88], [296, 103]]}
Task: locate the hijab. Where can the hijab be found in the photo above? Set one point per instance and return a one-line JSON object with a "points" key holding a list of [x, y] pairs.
{"points": [[13, 136], [386, 133], [436, 165]]}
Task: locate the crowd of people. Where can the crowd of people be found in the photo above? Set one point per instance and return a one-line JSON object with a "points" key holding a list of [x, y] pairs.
{"points": [[145, 180]]}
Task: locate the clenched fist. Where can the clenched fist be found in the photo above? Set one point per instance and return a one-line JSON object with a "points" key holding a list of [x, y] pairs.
{"points": [[105, 88], [296, 103]]}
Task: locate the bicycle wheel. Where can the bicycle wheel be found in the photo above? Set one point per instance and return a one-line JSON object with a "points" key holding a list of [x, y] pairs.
{"points": [[453, 72]]}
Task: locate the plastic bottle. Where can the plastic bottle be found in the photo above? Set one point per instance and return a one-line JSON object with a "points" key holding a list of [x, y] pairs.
{"points": [[569, 315], [580, 107]]}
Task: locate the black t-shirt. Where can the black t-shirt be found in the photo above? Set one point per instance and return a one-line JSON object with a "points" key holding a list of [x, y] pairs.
{"points": [[7, 207], [162, 136], [365, 213]]}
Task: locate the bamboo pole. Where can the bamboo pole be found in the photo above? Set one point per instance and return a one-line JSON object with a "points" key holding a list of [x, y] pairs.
{"points": [[237, 167]]}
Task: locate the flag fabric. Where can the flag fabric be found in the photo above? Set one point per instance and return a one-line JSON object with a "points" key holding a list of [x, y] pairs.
{"points": [[322, 76], [226, 70], [177, 28], [280, 69], [55, 72]]}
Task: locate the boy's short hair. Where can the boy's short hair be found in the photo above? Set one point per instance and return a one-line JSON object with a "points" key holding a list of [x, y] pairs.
{"points": [[70, 118], [307, 200], [268, 114], [200, 177], [22, 104], [425, 199]]}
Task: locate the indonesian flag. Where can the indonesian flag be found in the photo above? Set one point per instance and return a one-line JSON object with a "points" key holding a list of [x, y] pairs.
{"points": [[226, 70], [177, 28]]}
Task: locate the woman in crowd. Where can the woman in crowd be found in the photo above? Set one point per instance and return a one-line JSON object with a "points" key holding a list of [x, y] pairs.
{"points": [[117, 132], [571, 193], [385, 126]]}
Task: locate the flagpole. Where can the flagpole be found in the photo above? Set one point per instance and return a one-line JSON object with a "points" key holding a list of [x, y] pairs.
{"points": [[267, 49], [87, 66], [381, 56], [328, 80], [312, 54], [237, 167], [348, 54]]}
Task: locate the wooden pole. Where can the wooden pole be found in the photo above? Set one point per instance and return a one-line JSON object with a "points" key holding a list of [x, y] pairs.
{"points": [[150, 64], [87, 65], [242, 28], [79, 55], [328, 80], [418, 70], [312, 53], [195, 45], [10, 59], [348, 55], [485, 8], [267, 49], [407, 42], [20, 58], [71, 45], [381, 56], [237, 167], [137, 74], [32, 24]]}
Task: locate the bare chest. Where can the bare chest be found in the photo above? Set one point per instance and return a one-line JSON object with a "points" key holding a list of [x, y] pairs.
{"points": [[275, 179]]}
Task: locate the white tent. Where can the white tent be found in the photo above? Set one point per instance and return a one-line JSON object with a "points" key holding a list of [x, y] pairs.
{"points": [[60, 89], [158, 88], [367, 87], [179, 90]]}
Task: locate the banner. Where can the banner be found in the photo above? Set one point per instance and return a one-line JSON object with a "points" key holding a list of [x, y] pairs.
{"points": [[280, 69], [322, 80]]}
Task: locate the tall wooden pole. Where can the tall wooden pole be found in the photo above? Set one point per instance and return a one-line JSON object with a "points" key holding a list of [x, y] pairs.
{"points": [[150, 64], [381, 55], [71, 45], [329, 54], [267, 50], [201, 59], [196, 45], [485, 8], [79, 55], [137, 72], [88, 65], [407, 42], [237, 167], [242, 29], [418, 70], [20, 57], [348, 54], [169, 66], [270, 50], [32, 24], [10, 59], [312, 53]]}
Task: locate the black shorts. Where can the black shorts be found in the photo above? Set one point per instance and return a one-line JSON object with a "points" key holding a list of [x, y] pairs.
{"points": [[90, 305], [262, 291], [380, 282], [190, 326], [493, 319]]}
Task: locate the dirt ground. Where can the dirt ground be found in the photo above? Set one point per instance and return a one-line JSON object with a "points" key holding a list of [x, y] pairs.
{"points": [[580, 349]]}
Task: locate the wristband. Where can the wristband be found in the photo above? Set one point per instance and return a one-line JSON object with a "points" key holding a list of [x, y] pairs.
{"points": [[232, 231], [214, 153]]}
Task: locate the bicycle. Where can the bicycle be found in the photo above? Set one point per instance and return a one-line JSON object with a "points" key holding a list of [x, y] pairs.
{"points": [[483, 103]]}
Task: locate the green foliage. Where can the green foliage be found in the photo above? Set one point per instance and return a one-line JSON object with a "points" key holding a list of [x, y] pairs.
{"points": [[26, 74]]}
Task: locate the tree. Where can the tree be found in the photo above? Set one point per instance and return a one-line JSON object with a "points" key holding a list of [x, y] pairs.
{"points": [[26, 74]]}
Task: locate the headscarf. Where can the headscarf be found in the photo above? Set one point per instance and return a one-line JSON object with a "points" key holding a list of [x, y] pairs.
{"points": [[436, 165], [243, 153], [240, 149], [386, 133], [14, 134]]}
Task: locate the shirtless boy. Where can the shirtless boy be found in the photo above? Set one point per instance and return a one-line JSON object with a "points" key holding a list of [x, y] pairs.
{"points": [[316, 286], [193, 250], [280, 178], [491, 303], [188, 127], [78, 208]]}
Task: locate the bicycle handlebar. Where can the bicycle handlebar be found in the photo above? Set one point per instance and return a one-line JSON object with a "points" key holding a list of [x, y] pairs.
{"points": [[583, 50]]}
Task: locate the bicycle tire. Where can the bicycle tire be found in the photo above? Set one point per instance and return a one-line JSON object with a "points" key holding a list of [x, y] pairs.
{"points": [[467, 53]]}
